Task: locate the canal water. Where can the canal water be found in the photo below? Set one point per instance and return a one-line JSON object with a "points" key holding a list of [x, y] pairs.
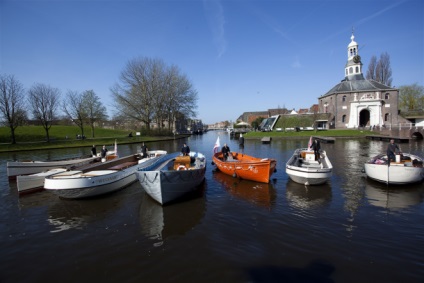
{"points": [[349, 230]]}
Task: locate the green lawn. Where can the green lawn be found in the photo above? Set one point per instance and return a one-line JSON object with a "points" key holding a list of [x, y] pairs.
{"points": [[324, 133], [33, 137], [37, 133]]}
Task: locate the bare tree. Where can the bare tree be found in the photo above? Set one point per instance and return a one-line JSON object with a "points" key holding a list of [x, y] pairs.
{"points": [[73, 107], [43, 102], [180, 96], [380, 70], [134, 97], [12, 103], [94, 109], [411, 97], [371, 69], [150, 91], [383, 70]]}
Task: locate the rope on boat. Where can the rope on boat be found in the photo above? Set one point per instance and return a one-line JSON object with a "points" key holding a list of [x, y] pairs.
{"points": [[147, 178], [175, 177], [179, 177]]}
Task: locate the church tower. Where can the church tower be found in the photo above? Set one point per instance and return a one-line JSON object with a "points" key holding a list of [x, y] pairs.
{"points": [[358, 102], [353, 68]]}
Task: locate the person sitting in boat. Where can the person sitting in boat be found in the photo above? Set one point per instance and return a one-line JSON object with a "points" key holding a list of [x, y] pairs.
{"points": [[103, 152], [143, 150], [392, 149], [225, 151], [93, 151], [185, 150], [316, 146]]}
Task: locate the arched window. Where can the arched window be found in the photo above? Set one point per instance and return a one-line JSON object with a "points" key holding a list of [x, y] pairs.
{"points": [[357, 69], [386, 96], [350, 70], [386, 117], [344, 98], [344, 118]]}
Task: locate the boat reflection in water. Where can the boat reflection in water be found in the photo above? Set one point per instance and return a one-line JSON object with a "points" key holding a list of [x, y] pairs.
{"points": [[396, 198], [301, 196], [260, 194], [70, 214], [160, 222]]}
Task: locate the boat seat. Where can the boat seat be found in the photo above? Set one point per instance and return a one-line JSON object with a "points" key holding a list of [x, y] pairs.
{"points": [[97, 173], [123, 166], [311, 165]]}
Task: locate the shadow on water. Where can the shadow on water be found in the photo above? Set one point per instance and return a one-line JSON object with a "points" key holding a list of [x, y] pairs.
{"points": [[175, 219], [393, 197], [317, 272], [301, 196], [260, 194], [67, 214]]}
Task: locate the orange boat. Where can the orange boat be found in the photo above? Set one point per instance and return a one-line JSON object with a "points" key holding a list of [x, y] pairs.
{"points": [[246, 167]]}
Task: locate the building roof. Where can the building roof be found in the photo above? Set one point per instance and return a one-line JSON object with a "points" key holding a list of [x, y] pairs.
{"points": [[358, 83]]}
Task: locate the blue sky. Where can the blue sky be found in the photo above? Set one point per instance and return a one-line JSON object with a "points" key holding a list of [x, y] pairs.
{"points": [[240, 55]]}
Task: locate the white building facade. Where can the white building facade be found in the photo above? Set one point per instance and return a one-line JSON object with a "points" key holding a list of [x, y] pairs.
{"points": [[357, 102]]}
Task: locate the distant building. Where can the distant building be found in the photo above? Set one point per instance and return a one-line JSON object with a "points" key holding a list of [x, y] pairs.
{"points": [[357, 102], [352, 103], [249, 117]]}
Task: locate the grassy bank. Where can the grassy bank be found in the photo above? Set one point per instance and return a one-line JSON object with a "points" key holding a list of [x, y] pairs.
{"points": [[33, 138], [325, 133]]}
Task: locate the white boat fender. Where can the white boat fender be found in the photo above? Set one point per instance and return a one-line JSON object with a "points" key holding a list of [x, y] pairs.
{"points": [[181, 167]]}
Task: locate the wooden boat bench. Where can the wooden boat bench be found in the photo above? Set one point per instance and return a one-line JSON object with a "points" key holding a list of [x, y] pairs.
{"points": [[123, 166]]}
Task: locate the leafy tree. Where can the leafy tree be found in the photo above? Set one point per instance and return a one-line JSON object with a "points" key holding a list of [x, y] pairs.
{"points": [[411, 97], [73, 107], [44, 101], [94, 110], [257, 122], [12, 103]]}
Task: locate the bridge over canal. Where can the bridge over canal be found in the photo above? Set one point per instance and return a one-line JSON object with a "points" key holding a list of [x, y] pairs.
{"points": [[404, 131]]}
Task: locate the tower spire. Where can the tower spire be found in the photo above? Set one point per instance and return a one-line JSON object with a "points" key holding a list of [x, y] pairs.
{"points": [[353, 68]]}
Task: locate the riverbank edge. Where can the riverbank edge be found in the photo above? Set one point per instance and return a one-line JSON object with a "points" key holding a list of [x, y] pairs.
{"points": [[85, 143], [89, 142]]}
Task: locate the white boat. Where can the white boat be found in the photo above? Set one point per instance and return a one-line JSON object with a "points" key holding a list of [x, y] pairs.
{"points": [[34, 182], [303, 169], [406, 169], [174, 177], [16, 168], [28, 167], [103, 178]]}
